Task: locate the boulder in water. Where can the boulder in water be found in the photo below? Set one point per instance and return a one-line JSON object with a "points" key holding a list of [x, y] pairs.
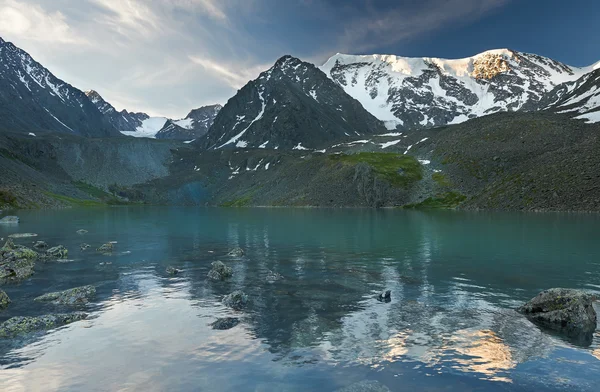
{"points": [[75, 296], [22, 325], [385, 296], [219, 271], [82, 231], [9, 220], [22, 235], [40, 245], [106, 249], [225, 323], [273, 277], [173, 270], [236, 300], [58, 252], [565, 310], [16, 262], [4, 300], [84, 246], [236, 252]]}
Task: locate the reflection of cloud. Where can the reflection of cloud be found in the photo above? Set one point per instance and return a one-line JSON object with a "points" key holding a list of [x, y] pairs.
{"points": [[491, 356]]}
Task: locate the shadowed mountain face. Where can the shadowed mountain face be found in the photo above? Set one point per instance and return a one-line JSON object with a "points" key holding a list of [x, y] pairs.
{"points": [[416, 93], [292, 105], [123, 120], [194, 125], [33, 100], [580, 98]]}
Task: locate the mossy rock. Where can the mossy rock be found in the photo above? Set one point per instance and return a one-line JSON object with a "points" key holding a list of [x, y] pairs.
{"points": [[76, 296], [219, 271], [17, 326], [4, 300], [58, 252], [236, 300]]}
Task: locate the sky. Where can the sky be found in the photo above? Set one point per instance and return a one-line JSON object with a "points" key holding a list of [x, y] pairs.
{"points": [[165, 57]]}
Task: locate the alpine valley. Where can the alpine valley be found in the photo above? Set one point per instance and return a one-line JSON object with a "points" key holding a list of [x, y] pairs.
{"points": [[499, 130]]}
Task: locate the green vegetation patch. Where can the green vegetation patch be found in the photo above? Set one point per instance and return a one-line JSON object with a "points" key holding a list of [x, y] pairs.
{"points": [[7, 198], [92, 190], [399, 170], [448, 200], [75, 202], [441, 179], [241, 202]]}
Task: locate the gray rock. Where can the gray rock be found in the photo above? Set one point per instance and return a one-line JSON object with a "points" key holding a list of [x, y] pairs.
{"points": [[565, 310], [365, 386], [75, 296], [173, 270], [40, 245], [22, 235], [386, 296], [273, 277], [219, 271], [236, 300], [225, 323], [9, 220], [16, 262], [22, 325], [106, 249], [84, 246], [236, 252], [58, 252], [4, 300]]}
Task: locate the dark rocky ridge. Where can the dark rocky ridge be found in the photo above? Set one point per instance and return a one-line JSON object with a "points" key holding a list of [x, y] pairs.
{"points": [[123, 120], [200, 120], [293, 104], [33, 100]]}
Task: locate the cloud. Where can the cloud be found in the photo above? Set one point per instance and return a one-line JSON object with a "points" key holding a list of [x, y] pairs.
{"points": [[235, 76], [32, 22]]}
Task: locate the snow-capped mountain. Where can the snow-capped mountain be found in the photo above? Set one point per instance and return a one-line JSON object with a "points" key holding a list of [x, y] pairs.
{"points": [[293, 105], [123, 121], [580, 98], [413, 93], [193, 126], [33, 100]]}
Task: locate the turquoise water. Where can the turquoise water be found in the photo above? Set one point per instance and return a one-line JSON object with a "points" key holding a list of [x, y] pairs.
{"points": [[455, 278]]}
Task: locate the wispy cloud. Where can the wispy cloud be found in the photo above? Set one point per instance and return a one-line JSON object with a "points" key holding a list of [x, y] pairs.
{"points": [[180, 54], [32, 22]]}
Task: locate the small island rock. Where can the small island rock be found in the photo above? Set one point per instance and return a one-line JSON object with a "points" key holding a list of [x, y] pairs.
{"points": [[22, 325], [236, 300], [225, 323], [75, 296], [219, 271]]}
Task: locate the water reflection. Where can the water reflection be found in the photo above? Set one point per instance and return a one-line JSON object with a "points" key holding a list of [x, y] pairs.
{"points": [[450, 314]]}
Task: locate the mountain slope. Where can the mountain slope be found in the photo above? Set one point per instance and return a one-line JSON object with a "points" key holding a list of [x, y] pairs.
{"points": [[194, 125], [580, 98], [123, 121], [33, 100], [413, 93], [292, 105]]}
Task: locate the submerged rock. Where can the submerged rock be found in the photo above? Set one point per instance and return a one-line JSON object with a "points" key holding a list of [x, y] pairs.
{"points": [[9, 220], [565, 310], [236, 300], [40, 245], [106, 248], [273, 277], [21, 325], [173, 271], [219, 271], [22, 235], [58, 252], [365, 386], [84, 246], [4, 300], [225, 323], [236, 252], [386, 296], [75, 296], [82, 231]]}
